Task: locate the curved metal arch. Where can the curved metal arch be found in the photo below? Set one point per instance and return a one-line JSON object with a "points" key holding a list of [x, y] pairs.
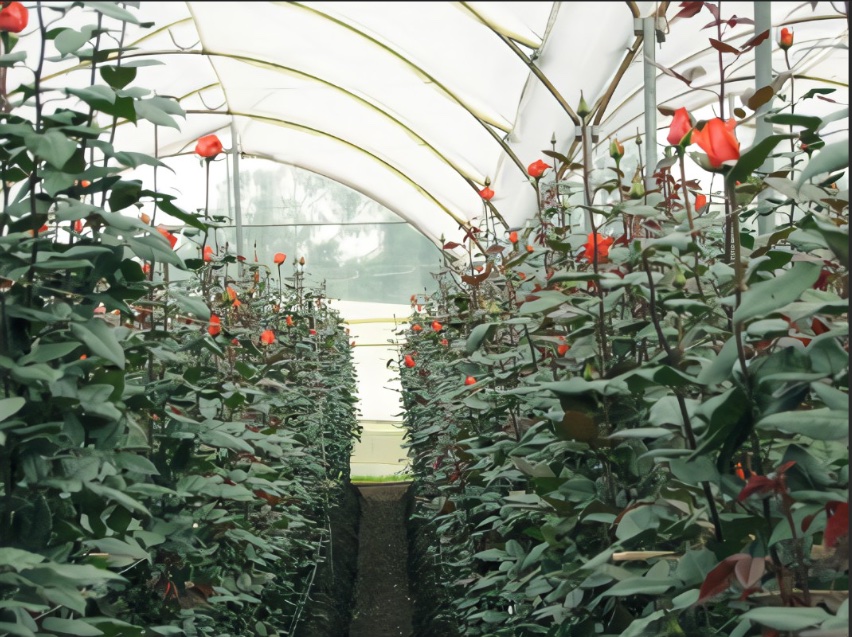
{"points": [[484, 122], [542, 77], [302, 127]]}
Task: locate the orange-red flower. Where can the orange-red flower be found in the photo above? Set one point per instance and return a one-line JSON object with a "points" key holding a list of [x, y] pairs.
{"points": [[14, 17], [837, 526], [409, 361], [267, 337], [146, 268], [279, 258], [470, 380], [700, 201], [785, 39], [603, 243], [232, 293], [680, 127], [208, 253], [78, 226], [537, 168], [486, 193], [616, 149], [208, 146], [530, 248], [563, 349], [172, 239], [437, 326], [215, 325], [289, 321], [513, 237], [718, 140], [416, 327], [445, 342]]}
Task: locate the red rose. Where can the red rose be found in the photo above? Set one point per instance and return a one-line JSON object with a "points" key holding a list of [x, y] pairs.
{"points": [[267, 337], [537, 168], [700, 202], [279, 258], [172, 239], [409, 361], [208, 253], [470, 380], [416, 327], [289, 321], [486, 193], [603, 243], [680, 127], [208, 146], [78, 226], [14, 17], [717, 139], [437, 326], [215, 325], [785, 40], [513, 237]]}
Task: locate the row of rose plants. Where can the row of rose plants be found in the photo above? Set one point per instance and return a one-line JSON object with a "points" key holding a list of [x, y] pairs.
{"points": [[170, 447], [640, 428]]}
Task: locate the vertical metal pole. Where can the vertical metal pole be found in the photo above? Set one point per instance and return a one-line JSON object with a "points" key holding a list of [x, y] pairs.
{"points": [[238, 211], [586, 132], [763, 77], [650, 92]]}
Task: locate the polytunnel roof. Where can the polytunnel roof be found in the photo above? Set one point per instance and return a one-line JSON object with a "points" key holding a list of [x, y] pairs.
{"points": [[417, 104]]}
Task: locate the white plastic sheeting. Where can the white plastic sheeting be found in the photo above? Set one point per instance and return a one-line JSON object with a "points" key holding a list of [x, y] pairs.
{"points": [[416, 104]]}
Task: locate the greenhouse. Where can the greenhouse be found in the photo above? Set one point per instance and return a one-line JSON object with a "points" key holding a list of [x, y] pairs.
{"points": [[424, 319]]}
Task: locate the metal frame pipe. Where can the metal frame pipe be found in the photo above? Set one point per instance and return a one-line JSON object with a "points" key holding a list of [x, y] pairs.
{"points": [[763, 77], [238, 210], [650, 94]]}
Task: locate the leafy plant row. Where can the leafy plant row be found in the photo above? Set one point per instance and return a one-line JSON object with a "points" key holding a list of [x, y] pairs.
{"points": [[642, 430], [169, 449]]}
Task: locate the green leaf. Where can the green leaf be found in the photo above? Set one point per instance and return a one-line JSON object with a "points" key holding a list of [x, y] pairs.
{"points": [[70, 40], [9, 407], [547, 300], [819, 424], [113, 10], [753, 159], [767, 296], [70, 627], [100, 338], [791, 619], [152, 110], [477, 335], [118, 76], [641, 586], [18, 559], [108, 493], [51, 146], [833, 157], [719, 369]]}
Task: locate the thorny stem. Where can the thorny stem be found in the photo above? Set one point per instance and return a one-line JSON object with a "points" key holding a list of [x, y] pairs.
{"points": [[739, 286]]}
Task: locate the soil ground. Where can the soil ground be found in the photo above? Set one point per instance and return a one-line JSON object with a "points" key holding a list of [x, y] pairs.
{"points": [[382, 599]]}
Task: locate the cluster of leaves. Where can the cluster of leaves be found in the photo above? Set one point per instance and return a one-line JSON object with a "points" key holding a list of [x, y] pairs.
{"points": [[641, 434], [160, 474]]}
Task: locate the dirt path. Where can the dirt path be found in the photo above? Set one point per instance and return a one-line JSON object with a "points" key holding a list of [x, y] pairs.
{"points": [[382, 604]]}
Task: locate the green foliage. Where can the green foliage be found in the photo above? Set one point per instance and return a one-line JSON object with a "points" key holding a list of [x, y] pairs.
{"points": [[155, 478]]}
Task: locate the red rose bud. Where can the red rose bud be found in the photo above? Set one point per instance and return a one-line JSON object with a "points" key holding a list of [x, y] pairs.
{"points": [[486, 193], [14, 17], [616, 150], [172, 239], [437, 326], [208, 146], [416, 327], [208, 253], [700, 202], [78, 226], [267, 337], [301, 260], [530, 248], [313, 332], [215, 325], [470, 380], [537, 168], [718, 140], [409, 361], [289, 321], [445, 342], [279, 258], [146, 268], [603, 244], [562, 349], [680, 127], [785, 40], [513, 237]]}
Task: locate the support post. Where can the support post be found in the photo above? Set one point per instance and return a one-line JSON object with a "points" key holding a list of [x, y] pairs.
{"points": [[238, 211], [649, 41], [763, 77]]}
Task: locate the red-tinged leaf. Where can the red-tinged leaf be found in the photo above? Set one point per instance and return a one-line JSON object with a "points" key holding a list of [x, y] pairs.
{"points": [[756, 484], [827, 99], [819, 327], [719, 579], [689, 9], [780, 471], [495, 249], [837, 526], [671, 73], [451, 245], [754, 41], [760, 97], [735, 20], [714, 9], [723, 47], [749, 571]]}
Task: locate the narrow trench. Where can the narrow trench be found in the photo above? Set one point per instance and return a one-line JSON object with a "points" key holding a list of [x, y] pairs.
{"points": [[382, 599]]}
